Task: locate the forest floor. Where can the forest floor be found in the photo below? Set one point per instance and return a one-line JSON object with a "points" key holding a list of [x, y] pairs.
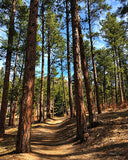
{"points": [[55, 139]]}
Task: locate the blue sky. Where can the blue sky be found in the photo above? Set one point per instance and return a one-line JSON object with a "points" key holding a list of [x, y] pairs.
{"points": [[99, 43]]}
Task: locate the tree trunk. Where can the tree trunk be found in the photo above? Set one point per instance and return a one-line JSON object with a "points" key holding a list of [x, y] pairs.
{"points": [[123, 88], [7, 71], [120, 85], [116, 88], [53, 109], [53, 98], [17, 97], [112, 89], [38, 116], [79, 98], [93, 59], [104, 86], [12, 92], [86, 75], [119, 77], [48, 78], [65, 101], [34, 113], [13, 85], [122, 80], [68, 61], [42, 75], [24, 129], [112, 94], [126, 75], [102, 89]]}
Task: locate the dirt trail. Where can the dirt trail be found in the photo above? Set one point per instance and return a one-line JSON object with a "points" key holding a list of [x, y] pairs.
{"points": [[50, 140], [55, 140]]}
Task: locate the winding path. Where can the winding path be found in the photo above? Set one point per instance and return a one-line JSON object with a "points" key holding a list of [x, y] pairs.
{"points": [[55, 140]]}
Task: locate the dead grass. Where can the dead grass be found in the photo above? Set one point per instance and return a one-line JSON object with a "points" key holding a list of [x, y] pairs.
{"points": [[55, 139]]}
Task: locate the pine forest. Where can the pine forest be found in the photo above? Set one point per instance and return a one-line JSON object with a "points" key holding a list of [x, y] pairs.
{"points": [[63, 79]]}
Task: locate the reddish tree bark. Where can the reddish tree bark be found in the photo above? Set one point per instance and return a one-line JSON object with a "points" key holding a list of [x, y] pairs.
{"points": [[68, 61], [115, 72], [17, 97], [79, 98], [7, 71], [53, 98], [12, 92], [104, 86], [93, 60], [112, 94], [42, 74], [13, 85], [122, 77], [86, 75], [24, 129], [65, 101], [119, 77], [48, 78], [34, 112]]}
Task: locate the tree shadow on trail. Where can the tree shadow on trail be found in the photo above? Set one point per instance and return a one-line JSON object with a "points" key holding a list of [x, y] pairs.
{"points": [[8, 140], [9, 153], [64, 133], [114, 115], [49, 139], [56, 126], [104, 152]]}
